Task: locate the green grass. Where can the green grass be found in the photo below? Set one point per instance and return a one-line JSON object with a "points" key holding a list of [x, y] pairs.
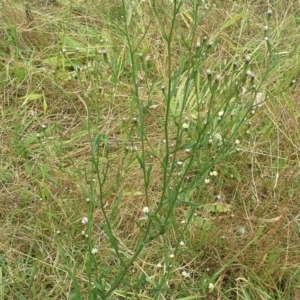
{"points": [[149, 150]]}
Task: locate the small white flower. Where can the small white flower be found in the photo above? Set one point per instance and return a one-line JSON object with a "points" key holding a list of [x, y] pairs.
{"points": [[237, 142], [198, 45], [84, 234], [218, 137], [266, 38], [87, 199], [44, 126], [58, 232], [211, 286], [213, 173], [207, 180], [248, 73], [181, 243], [266, 28], [159, 265], [210, 141], [131, 148], [185, 274], [218, 78], [146, 210], [179, 163], [247, 58], [221, 113], [185, 125], [182, 221], [94, 251], [84, 220], [171, 255]]}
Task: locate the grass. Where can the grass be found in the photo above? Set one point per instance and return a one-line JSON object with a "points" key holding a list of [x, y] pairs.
{"points": [[149, 150]]}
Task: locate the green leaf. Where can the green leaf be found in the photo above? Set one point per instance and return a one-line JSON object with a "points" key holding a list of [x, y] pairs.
{"points": [[132, 164], [200, 222], [69, 42], [232, 21], [128, 193], [190, 297], [216, 207], [32, 96], [20, 75]]}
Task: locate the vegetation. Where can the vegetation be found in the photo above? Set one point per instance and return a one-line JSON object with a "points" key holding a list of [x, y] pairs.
{"points": [[149, 149]]}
